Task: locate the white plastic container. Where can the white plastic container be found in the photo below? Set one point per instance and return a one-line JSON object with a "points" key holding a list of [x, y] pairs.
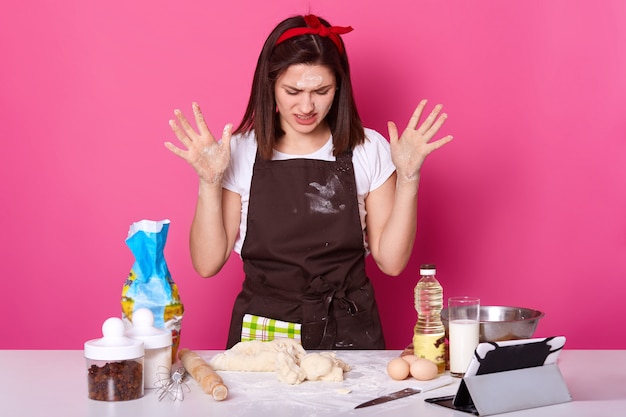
{"points": [[114, 364], [157, 345]]}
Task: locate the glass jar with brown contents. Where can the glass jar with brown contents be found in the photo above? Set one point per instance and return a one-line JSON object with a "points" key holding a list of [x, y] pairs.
{"points": [[114, 364]]}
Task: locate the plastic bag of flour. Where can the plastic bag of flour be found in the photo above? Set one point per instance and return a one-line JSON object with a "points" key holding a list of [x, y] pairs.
{"points": [[149, 284]]}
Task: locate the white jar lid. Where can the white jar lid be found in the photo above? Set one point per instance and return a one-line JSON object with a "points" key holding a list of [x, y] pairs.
{"points": [[143, 329], [113, 345]]}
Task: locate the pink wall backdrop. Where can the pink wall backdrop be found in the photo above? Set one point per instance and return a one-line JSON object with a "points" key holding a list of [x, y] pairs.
{"points": [[526, 207]]}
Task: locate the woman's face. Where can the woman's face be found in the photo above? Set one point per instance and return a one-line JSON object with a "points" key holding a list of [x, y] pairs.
{"points": [[304, 94]]}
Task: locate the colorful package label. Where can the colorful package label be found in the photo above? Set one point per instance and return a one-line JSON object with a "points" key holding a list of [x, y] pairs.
{"points": [[149, 283]]}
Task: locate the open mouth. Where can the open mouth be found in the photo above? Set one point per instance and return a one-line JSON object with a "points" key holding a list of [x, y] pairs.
{"points": [[305, 119]]}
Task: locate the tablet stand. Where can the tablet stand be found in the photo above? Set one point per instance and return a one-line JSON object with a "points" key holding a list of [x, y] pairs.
{"points": [[506, 391], [510, 376]]}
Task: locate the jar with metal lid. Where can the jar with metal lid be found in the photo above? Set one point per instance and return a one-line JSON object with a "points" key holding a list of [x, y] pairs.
{"points": [[114, 364], [157, 347]]}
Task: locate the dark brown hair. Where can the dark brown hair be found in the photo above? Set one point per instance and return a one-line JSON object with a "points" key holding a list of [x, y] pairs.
{"points": [[260, 116]]}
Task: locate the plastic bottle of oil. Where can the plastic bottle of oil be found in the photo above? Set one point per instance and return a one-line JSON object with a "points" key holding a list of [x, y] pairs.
{"points": [[429, 333]]}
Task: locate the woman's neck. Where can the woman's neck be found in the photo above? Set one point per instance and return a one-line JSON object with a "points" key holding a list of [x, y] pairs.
{"points": [[302, 144]]}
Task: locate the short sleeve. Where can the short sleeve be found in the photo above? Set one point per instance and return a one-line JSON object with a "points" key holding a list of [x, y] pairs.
{"points": [[374, 158], [238, 175]]}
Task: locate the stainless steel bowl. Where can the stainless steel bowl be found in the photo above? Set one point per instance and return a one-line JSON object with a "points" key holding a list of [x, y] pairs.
{"points": [[503, 322]]}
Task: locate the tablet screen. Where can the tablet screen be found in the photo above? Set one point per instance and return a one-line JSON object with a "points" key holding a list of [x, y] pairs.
{"points": [[490, 357]]}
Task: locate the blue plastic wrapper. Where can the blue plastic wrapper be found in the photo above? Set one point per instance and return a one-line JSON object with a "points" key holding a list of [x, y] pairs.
{"points": [[149, 284]]}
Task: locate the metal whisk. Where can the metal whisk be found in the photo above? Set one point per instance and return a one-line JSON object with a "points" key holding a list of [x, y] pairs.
{"points": [[173, 386]]}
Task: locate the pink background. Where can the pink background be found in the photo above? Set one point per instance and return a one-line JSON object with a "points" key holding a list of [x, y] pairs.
{"points": [[526, 207]]}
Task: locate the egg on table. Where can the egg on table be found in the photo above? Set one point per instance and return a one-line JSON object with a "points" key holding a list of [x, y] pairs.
{"points": [[398, 369], [423, 369], [409, 358]]}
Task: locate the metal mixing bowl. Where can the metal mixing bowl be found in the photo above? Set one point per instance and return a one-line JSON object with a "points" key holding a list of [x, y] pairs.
{"points": [[503, 323]]}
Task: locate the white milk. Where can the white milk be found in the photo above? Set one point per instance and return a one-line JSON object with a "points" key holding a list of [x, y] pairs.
{"points": [[463, 335]]}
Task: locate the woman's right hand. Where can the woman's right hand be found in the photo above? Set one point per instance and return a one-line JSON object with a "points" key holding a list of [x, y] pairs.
{"points": [[207, 156]]}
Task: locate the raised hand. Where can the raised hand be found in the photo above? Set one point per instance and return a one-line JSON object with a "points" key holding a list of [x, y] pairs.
{"points": [[409, 151], [207, 156]]}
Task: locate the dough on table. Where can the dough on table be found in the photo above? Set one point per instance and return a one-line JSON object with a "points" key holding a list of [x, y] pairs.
{"points": [[286, 357], [287, 369], [323, 366]]}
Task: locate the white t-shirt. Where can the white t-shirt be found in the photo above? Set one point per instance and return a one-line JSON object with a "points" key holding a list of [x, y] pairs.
{"points": [[371, 161]]}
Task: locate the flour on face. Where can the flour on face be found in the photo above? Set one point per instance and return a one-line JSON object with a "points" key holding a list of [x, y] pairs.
{"points": [[321, 202], [310, 79]]}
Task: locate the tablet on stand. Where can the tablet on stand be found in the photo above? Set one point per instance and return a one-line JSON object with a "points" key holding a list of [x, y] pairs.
{"points": [[510, 376]]}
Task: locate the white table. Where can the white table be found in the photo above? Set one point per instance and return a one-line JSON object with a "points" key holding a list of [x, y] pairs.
{"points": [[54, 383]]}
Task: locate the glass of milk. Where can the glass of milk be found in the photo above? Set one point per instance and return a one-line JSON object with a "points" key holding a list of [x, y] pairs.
{"points": [[463, 332]]}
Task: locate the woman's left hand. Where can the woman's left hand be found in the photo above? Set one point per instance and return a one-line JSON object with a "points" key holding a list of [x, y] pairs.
{"points": [[409, 151]]}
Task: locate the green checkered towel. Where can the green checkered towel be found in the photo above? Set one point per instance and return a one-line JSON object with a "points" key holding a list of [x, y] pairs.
{"points": [[266, 329]]}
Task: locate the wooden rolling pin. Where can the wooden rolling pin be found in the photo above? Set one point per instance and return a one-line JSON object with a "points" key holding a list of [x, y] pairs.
{"points": [[204, 375]]}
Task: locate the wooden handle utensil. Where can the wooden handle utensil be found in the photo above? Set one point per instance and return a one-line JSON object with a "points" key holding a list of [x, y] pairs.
{"points": [[204, 375]]}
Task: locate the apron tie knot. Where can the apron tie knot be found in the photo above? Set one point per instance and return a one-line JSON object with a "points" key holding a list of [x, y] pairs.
{"points": [[330, 293], [346, 303]]}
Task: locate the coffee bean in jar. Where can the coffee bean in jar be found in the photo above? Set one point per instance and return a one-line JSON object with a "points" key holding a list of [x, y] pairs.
{"points": [[114, 364]]}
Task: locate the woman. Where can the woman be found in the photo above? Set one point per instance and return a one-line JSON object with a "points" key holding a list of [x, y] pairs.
{"points": [[303, 192]]}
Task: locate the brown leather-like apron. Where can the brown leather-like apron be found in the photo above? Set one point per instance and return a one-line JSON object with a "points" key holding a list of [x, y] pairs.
{"points": [[303, 255]]}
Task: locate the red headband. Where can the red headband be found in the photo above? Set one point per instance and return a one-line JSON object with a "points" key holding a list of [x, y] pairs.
{"points": [[315, 27]]}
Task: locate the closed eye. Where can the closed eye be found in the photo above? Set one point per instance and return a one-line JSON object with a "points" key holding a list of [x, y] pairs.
{"points": [[292, 92], [321, 91]]}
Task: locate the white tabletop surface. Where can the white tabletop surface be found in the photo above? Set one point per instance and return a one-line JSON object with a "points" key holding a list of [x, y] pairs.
{"points": [[54, 383]]}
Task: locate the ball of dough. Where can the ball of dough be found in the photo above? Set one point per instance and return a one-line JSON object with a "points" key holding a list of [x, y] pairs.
{"points": [[316, 366]]}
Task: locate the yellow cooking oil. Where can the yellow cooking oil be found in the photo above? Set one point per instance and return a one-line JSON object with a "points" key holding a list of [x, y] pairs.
{"points": [[429, 333]]}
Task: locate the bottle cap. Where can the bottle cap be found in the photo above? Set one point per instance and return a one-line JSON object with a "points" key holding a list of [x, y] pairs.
{"points": [[113, 345], [143, 329], [427, 269]]}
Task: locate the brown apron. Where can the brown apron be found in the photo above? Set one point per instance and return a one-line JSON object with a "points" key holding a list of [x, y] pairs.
{"points": [[303, 255]]}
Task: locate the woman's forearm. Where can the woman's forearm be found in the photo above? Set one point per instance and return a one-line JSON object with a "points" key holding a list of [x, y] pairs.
{"points": [[208, 239], [398, 235]]}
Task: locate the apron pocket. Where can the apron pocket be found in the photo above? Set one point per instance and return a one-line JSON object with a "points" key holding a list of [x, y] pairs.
{"points": [[276, 308], [359, 331], [314, 322]]}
